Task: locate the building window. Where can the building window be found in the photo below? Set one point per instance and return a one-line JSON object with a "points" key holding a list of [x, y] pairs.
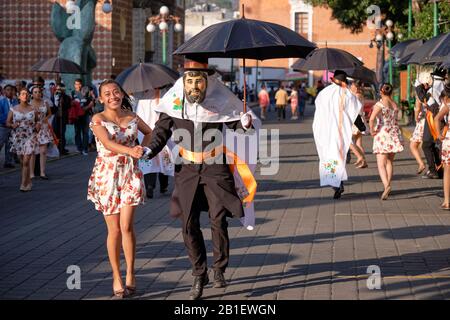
{"points": [[301, 23]]}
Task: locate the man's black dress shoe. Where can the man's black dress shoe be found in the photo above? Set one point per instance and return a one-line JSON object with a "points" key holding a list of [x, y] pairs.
{"points": [[219, 280], [197, 287]]}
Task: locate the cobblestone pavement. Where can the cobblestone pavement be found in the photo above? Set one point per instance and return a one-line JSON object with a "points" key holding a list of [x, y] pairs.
{"points": [[305, 245]]}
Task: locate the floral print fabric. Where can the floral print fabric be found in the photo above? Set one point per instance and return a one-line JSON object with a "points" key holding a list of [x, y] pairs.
{"points": [[389, 138], [44, 135], [418, 131], [116, 179], [23, 138]]}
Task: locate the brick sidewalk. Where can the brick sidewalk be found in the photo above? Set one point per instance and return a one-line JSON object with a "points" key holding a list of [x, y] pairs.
{"points": [[305, 246]]}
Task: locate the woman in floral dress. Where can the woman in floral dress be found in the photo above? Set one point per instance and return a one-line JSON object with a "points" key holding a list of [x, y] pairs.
{"points": [[417, 136], [44, 135], [445, 138], [387, 136], [116, 185], [23, 121]]}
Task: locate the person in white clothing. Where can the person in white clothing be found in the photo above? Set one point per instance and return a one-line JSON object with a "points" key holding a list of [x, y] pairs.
{"points": [[162, 166], [336, 111]]}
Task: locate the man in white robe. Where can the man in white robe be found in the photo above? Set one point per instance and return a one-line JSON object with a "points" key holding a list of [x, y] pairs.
{"points": [[336, 110]]}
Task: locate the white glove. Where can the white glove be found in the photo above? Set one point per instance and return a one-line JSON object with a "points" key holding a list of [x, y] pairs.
{"points": [[147, 153], [246, 120]]}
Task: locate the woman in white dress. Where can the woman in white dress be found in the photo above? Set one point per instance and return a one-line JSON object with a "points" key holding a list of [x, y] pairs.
{"points": [[44, 135], [445, 138]]}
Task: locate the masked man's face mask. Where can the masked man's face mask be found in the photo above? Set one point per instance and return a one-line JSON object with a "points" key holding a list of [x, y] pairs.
{"points": [[195, 85]]}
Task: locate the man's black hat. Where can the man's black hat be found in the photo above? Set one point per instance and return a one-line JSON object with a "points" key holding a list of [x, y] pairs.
{"points": [[197, 65], [340, 75]]}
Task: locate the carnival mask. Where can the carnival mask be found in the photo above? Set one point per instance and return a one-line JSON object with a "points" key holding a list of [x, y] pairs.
{"points": [[195, 85]]}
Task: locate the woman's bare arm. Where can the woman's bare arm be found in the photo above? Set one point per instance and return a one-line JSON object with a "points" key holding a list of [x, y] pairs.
{"points": [[437, 120], [102, 134], [375, 112]]}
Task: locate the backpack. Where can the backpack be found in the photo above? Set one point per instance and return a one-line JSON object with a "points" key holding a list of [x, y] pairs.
{"points": [[75, 111]]}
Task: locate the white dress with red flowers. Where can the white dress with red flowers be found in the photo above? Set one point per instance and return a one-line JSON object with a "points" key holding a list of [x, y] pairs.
{"points": [[116, 179], [445, 153], [24, 137], [44, 135], [389, 137]]}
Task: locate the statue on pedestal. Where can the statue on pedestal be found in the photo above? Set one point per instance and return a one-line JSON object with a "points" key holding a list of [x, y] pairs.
{"points": [[75, 31]]}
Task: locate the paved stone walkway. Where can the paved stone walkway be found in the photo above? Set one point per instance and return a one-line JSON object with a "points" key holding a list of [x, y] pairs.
{"points": [[305, 246]]}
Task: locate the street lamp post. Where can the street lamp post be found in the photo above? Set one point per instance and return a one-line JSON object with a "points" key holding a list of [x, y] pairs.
{"points": [[381, 35], [408, 78], [435, 18], [162, 20]]}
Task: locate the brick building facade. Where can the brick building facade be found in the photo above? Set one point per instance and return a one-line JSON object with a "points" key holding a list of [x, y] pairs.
{"points": [[26, 36]]}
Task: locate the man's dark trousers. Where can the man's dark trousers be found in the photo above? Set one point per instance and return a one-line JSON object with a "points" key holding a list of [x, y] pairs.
{"points": [[193, 237], [429, 149]]}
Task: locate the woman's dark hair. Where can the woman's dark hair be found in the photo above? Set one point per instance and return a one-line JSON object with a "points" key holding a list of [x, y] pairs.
{"points": [[126, 101], [386, 89]]}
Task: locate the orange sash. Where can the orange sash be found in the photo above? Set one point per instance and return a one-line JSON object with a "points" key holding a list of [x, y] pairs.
{"points": [[237, 164], [430, 120]]}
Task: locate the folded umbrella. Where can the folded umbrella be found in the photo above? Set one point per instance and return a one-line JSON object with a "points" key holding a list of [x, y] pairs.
{"points": [[144, 76]]}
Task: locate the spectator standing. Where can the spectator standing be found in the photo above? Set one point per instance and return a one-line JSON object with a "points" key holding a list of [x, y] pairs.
{"points": [[281, 98], [6, 103], [293, 98], [82, 122], [302, 97], [62, 103], [264, 101]]}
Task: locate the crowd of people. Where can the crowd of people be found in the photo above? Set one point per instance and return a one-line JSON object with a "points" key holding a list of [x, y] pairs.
{"points": [[295, 96], [343, 100], [33, 121]]}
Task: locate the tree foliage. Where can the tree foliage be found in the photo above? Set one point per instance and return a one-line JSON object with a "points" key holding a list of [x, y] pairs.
{"points": [[352, 14]]}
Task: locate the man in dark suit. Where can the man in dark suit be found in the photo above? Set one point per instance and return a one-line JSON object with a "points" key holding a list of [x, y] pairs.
{"points": [[203, 181]]}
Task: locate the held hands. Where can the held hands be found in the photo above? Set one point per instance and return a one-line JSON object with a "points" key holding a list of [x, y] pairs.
{"points": [[147, 153], [136, 152], [246, 120]]}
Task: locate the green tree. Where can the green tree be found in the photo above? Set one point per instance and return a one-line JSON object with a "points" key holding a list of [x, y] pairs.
{"points": [[352, 14], [423, 20]]}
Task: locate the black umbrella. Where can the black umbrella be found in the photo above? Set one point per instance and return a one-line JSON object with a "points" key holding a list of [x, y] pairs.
{"points": [[328, 59], [246, 39], [143, 76], [405, 48], [421, 54], [446, 63], [57, 65], [441, 50], [362, 73], [298, 65]]}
